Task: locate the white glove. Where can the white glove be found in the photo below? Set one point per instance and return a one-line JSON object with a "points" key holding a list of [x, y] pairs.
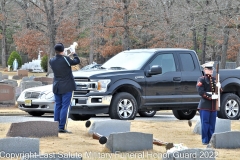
{"points": [[72, 49], [218, 85], [214, 96]]}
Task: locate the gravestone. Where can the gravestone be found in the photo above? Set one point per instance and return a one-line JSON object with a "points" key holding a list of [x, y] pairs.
{"points": [[22, 73], [26, 79], [16, 77], [17, 147], [17, 92], [228, 140], [33, 129], [10, 82], [191, 154], [222, 125], [29, 84], [31, 78], [5, 76], [106, 127], [7, 94], [50, 75], [44, 80], [129, 141]]}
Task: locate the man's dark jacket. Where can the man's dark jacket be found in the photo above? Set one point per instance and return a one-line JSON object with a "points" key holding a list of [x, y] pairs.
{"points": [[63, 81]]}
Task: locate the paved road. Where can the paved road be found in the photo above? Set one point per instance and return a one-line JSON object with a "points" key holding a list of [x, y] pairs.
{"points": [[23, 118]]}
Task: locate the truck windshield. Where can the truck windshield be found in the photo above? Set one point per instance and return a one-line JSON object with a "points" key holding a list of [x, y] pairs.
{"points": [[128, 60]]}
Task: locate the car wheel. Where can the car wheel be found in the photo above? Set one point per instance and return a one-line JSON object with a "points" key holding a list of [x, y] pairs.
{"points": [[147, 113], [230, 106], [123, 106], [80, 117], [36, 114], [184, 114]]}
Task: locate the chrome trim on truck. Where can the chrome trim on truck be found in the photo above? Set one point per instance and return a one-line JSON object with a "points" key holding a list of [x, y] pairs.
{"points": [[92, 101]]}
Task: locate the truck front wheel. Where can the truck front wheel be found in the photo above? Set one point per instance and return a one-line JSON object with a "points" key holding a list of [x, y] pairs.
{"points": [[123, 106], [184, 114]]}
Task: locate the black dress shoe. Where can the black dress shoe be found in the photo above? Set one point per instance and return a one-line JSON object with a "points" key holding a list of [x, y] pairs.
{"points": [[63, 131]]}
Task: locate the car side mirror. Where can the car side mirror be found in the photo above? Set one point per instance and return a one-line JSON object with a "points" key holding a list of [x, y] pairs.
{"points": [[154, 70]]}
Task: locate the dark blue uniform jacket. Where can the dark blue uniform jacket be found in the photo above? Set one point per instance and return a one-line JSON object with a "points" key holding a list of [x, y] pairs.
{"points": [[63, 81], [205, 84]]}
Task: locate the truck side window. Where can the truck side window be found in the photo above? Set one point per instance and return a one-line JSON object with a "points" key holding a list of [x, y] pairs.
{"points": [[166, 61], [187, 62]]}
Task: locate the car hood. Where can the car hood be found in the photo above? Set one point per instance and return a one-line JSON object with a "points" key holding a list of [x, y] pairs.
{"points": [[100, 72], [46, 89]]}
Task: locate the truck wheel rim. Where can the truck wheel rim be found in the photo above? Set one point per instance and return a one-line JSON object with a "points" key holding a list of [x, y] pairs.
{"points": [[232, 108], [149, 112], [186, 112], [125, 108]]}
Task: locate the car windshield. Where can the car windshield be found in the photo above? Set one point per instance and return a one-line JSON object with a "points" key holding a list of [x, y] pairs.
{"points": [[91, 66], [127, 60]]}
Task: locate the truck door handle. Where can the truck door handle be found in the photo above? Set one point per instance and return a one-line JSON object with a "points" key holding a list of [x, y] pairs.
{"points": [[176, 78]]}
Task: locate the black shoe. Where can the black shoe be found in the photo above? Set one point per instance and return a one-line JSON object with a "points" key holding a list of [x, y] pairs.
{"points": [[205, 143], [63, 131], [209, 146]]}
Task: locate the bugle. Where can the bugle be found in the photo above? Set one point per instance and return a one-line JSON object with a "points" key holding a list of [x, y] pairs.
{"points": [[71, 49]]}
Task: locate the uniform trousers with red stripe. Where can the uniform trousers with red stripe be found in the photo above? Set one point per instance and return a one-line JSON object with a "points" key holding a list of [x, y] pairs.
{"points": [[208, 121]]}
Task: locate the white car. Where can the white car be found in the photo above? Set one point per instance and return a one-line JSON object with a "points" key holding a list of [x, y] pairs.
{"points": [[37, 100], [40, 100]]}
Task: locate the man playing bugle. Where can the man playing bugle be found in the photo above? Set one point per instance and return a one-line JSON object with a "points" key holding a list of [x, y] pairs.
{"points": [[63, 84]]}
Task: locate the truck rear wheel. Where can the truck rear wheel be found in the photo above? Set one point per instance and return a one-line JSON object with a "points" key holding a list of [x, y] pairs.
{"points": [[123, 106], [79, 117], [147, 113], [230, 107], [184, 114]]}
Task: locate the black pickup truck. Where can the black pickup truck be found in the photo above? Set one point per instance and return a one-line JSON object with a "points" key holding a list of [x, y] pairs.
{"points": [[147, 80]]}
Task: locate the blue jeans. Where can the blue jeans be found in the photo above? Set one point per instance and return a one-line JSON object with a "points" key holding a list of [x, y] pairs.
{"points": [[61, 108], [208, 121]]}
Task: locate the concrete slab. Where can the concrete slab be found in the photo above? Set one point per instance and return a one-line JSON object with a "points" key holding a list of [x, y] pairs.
{"points": [[129, 141], [228, 140], [106, 127], [17, 147], [222, 125], [191, 154]]}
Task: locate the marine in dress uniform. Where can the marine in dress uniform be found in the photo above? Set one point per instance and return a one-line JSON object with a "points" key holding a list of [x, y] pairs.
{"points": [[63, 84], [207, 105]]}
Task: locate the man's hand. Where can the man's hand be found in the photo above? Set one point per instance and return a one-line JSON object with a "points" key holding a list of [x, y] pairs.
{"points": [[70, 54], [72, 49], [218, 85], [214, 96]]}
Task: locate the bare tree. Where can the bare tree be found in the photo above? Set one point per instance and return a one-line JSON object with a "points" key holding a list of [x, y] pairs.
{"points": [[3, 25]]}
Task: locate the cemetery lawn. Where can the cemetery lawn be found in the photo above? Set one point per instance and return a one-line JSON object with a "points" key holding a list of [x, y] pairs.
{"points": [[81, 143]]}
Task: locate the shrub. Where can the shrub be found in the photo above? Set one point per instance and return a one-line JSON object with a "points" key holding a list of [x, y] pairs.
{"points": [[14, 55], [44, 63]]}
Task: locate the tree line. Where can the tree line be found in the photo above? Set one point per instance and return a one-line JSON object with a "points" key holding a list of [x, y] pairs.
{"points": [[103, 28]]}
